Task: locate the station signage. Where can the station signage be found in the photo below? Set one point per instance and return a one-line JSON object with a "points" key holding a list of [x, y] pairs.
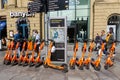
{"points": [[38, 6], [58, 33], [21, 14], [54, 5]]}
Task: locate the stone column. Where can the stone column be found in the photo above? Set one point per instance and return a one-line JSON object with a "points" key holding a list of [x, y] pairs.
{"points": [[92, 19], [0, 4]]}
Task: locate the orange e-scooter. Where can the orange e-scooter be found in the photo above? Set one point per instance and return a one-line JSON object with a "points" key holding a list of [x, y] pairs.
{"points": [[20, 60], [38, 61], [96, 63], [110, 59], [88, 59], [80, 62], [32, 57], [7, 57], [26, 57], [14, 59], [47, 62], [72, 61]]}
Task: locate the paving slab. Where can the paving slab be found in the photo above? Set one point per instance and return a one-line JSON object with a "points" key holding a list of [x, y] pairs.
{"points": [[8, 72]]}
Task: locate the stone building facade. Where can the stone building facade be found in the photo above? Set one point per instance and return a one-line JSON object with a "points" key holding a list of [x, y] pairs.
{"points": [[103, 14]]}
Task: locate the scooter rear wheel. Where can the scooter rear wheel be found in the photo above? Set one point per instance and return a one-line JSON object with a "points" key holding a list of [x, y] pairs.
{"points": [[65, 68], [45, 65]]}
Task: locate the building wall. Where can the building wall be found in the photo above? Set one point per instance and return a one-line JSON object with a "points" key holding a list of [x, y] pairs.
{"points": [[102, 11], [11, 2], [22, 3], [21, 6]]}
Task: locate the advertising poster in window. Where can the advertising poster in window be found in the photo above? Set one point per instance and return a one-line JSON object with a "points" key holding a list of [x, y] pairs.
{"points": [[58, 35], [113, 27]]}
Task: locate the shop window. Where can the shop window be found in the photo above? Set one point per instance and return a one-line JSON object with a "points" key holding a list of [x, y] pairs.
{"points": [[4, 4], [78, 9]]}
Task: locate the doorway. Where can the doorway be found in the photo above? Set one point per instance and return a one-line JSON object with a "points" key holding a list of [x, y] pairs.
{"points": [[22, 27], [3, 28], [70, 34]]}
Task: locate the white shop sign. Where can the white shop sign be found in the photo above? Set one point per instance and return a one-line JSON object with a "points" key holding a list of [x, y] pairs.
{"points": [[21, 14]]}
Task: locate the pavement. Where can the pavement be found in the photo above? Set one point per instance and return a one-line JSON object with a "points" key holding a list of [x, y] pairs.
{"points": [[8, 72]]}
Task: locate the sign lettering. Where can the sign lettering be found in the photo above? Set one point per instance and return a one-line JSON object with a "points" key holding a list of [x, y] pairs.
{"points": [[21, 14]]}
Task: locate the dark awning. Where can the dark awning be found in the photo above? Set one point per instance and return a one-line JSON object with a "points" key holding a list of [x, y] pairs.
{"points": [[2, 25]]}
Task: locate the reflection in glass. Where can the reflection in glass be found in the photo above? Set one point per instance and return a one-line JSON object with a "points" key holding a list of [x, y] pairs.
{"points": [[81, 12]]}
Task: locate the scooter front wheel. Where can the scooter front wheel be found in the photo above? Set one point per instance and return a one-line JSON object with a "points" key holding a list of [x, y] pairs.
{"points": [[72, 66], [6, 62], [45, 65], [25, 63], [81, 67], [38, 64], [31, 64], [20, 63], [87, 66], [97, 68], [106, 66], [14, 62]]}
